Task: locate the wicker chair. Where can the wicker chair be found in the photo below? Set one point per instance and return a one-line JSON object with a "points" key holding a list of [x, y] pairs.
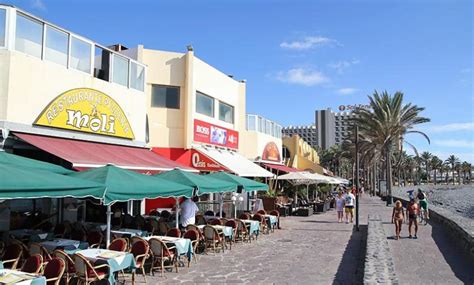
{"points": [[88, 273], [233, 224], [163, 228], [200, 220], [263, 222], [140, 250], [244, 216], [161, 253], [215, 222], [277, 214], [70, 269], [33, 264], [118, 244], [174, 232], [262, 212], [243, 233], [95, 239], [36, 248], [54, 271], [12, 255], [195, 237], [213, 239]]}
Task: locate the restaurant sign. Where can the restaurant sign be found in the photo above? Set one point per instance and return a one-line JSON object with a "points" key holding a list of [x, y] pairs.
{"points": [[202, 162], [86, 110], [211, 134], [271, 152]]}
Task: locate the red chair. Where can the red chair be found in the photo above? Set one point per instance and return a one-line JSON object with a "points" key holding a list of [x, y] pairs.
{"points": [[262, 212], [33, 264], [244, 216], [213, 238], [161, 253], [12, 255], [195, 236], [233, 224], [174, 232], [36, 248], [54, 271], [263, 222], [140, 250], [94, 239], [88, 273], [78, 234], [276, 214], [242, 231], [118, 244], [215, 222], [70, 268]]}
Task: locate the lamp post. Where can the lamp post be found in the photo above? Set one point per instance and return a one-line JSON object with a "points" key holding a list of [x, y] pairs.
{"points": [[357, 175]]}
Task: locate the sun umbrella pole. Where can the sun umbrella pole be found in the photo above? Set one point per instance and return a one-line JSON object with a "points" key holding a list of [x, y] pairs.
{"points": [[109, 218], [177, 215], [220, 205]]}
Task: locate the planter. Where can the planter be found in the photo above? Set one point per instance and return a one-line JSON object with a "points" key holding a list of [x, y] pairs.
{"points": [[320, 208], [269, 203], [305, 212]]}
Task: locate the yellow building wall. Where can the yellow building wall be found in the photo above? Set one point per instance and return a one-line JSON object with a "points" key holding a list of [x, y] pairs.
{"points": [[29, 84], [302, 155]]}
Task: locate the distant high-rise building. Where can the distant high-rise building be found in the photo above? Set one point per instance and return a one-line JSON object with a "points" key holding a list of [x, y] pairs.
{"points": [[307, 133], [332, 128]]}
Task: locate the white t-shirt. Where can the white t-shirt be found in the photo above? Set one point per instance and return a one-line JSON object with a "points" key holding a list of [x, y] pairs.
{"points": [[339, 204], [349, 199], [188, 212]]}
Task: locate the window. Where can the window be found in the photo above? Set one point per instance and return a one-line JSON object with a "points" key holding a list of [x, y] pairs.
{"points": [[261, 125], [56, 46], [120, 70], [101, 63], [80, 55], [226, 113], [3, 24], [29, 36], [251, 123], [204, 104], [268, 127], [137, 76], [165, 96]]}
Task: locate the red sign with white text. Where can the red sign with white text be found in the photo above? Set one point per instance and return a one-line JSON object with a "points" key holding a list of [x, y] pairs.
{"points": [[202, 162], [211, 134]]}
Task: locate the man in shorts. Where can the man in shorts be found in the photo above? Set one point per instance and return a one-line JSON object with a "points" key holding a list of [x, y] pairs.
{"points": [[349, 200], [423, 204], [412, 212]]}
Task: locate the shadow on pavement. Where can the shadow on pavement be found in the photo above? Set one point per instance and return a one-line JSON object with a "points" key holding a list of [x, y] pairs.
{"points": [[321, 222], [351, 268], [455, 256]]}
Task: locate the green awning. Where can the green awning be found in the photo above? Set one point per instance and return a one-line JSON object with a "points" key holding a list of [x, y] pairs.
{"points": [[203, 183], [20, 161], [245, 183], [125, 185], [27, 183]]}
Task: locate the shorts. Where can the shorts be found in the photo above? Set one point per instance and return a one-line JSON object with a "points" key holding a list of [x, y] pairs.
{"points": [[412, 217], [349, 209], [424, 204]]}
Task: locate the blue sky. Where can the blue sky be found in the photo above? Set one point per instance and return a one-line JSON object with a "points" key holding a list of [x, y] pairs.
{"points": [[299, 56]]}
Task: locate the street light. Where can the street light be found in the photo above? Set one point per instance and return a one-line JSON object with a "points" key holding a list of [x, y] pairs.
{"points": [[357, 174]]}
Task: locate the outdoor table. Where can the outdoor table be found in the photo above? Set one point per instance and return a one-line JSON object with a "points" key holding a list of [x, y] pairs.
{"points": [[271, 220], [68, 245], [129, 232], [8, 276], [31, 235], [95, 226], [183, 245], [117, 260], [253, 226], [228, 231]]}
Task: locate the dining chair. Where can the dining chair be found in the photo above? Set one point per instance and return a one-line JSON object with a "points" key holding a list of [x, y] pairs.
{"points": [[244, 216], [263, 222], [140, 250], [95, 239], [118, 244], [88, 273], [69, 269], [161, 253], [243, 232], [276, 214], [233, 225], [163, 228], [262, 212], [174, 232], [195, 237], [215, 222], [33, 264], [54, 270], [36, 248], [12, 255], [212, 238]]}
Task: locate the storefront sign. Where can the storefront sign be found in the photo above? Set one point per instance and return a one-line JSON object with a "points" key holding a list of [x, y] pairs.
{"points": [[202, 162], [271, 152], [353, 107], [86, 110], [211, 134]]}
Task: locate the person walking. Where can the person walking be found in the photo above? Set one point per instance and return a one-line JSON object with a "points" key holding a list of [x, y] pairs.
{"points": [[349, 200], [340, 207], [412, 212], [423, 204], [397, 218]]}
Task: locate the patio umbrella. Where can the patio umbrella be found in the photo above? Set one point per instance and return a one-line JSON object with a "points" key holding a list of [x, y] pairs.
{"points": [[23, 162], [244, 183], [304, 178], [28, 183], [125, 185]]}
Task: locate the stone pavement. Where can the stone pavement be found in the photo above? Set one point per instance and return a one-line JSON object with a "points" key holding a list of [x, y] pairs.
{"points": [[318, 250]]}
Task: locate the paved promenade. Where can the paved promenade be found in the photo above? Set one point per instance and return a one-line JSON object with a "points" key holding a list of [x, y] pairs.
{"points": [[318, 250]]}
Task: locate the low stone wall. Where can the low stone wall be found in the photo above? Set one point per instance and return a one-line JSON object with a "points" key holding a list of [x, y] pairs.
{"points": [[379, 266], [455, 225]]}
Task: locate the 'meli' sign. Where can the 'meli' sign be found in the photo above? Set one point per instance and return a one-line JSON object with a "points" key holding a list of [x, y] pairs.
{"points": [[86, 110]]}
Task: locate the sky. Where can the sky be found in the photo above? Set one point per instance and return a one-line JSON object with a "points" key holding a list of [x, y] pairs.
{"points": [[301, 56]]}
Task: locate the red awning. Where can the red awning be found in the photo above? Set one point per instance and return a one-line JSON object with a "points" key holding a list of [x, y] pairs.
{"points": [[280, 167], [84, 154]]}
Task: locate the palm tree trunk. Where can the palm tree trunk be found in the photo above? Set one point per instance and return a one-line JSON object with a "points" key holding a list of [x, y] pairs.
{"points": [[389, 176], [435, 176]]}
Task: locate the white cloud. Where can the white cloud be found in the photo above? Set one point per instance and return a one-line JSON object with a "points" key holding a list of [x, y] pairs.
{"points": [[455, 143], [454, 127], [308, 43], [38, 4], [341, 66], [346, 91], [302, 76]]}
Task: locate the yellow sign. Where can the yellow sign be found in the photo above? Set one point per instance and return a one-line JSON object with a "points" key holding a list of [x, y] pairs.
{"points": [[86, 110]]}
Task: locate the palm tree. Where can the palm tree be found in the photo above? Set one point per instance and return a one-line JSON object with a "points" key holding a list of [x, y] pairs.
{"points": [[436, 164], [466, 169], [386, 123], [451, 161], [426, 158], [458, 168]]}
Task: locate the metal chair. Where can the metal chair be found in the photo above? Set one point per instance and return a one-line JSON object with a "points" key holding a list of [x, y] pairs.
{"points": [[88, 273], [33, 264], [161, 253], [54, 271]]}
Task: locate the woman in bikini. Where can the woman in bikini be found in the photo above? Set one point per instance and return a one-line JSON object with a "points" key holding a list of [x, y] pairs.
{"points": [[397, 218]]}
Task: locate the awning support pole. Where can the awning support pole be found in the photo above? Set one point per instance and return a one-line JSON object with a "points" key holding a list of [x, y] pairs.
{"points": [[109, 222], [177, 215], [220, 205]]}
